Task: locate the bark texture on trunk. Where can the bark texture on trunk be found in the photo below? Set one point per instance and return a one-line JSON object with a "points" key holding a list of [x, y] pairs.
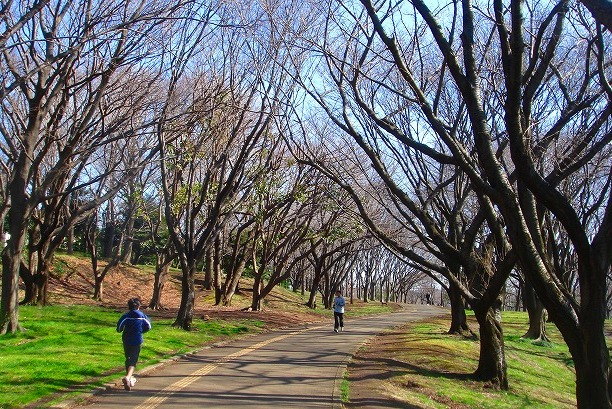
{"points": [[184, 318], [161, 274], [9, 317], [312, 298], [537, 315], [592, 377], [459, 323], [231, 283], [492, 365]]}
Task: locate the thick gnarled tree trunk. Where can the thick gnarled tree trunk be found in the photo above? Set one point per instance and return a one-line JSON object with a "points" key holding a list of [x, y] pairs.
{"points": [[459, 323], [184, 318], [492, 365], [537, 315], [162, 266]]}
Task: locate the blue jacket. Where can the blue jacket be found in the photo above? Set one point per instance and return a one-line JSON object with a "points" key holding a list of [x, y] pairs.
{"points": [[133, 324], [339, 303]]}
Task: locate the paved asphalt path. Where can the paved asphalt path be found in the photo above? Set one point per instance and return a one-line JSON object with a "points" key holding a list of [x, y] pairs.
{"points": [[291, 368]]}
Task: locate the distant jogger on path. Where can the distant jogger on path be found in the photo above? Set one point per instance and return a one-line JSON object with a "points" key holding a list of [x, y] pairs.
{"points": [[339, 303]]}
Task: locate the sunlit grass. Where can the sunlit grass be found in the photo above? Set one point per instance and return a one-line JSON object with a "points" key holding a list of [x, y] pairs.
{"points": [[65, 346], [359, 308], [436, 367], [344, 388]]}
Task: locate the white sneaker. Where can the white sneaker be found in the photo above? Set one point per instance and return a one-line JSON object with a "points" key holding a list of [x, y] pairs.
{"points": [[132, 381], [335, 329], [127, 385], [341, 329]]}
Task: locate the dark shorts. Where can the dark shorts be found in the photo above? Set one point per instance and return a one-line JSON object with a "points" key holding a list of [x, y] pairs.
{"points": [[132, 352], [338, 319]]}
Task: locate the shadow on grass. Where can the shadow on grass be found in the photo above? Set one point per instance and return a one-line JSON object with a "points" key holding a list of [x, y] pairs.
{"points": [[399, 368], [380, 403], [370, 371], [91, 381]]}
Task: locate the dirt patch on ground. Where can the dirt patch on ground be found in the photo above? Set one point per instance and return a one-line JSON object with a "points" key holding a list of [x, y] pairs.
{"points": [[371, 372], [72, 283]]}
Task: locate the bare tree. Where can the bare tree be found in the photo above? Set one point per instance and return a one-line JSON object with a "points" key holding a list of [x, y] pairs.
{"points": [[507, 71], [75, 49], [164, 255], [601, 10], [208, 152], [334, 242], [283, 226]]}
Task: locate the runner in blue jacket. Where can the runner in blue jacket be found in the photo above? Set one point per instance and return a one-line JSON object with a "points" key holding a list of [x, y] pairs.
{"points": [[132, 324], [339, 303]]}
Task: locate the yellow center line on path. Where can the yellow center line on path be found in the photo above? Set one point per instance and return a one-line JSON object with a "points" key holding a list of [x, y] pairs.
{"points": [[157, 399]]}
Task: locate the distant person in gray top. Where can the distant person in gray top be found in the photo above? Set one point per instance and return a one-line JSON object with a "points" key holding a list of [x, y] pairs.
{"points": [[339, 303], [132, 324]]}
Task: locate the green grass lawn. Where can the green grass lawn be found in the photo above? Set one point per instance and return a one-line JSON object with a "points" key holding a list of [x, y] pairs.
{"points": [[65, 350], [435, 368], [70, 347]]}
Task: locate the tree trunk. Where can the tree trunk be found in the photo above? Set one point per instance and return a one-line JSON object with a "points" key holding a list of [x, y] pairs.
{"points": [[29, 284], [257, 286], [586, 341], [70, 241], [128, 234], [99, 278], [184, 318], [366, 287], [312, 299], [18, 219], [109, 232], [128, 250], [11, 255], [219, 288], [258, 272], [328, 295], [29, 272], [9, 317], [276, 278], [44, 259], [90, 243], [492, 361], [161, 273], [107, 242], [352, 289], [128, 244], [42, 280], [208, 271], [537, 315], [216, 265], [592, 366], [519, 296], [98, 287], [459, 323], [231, 283]]}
